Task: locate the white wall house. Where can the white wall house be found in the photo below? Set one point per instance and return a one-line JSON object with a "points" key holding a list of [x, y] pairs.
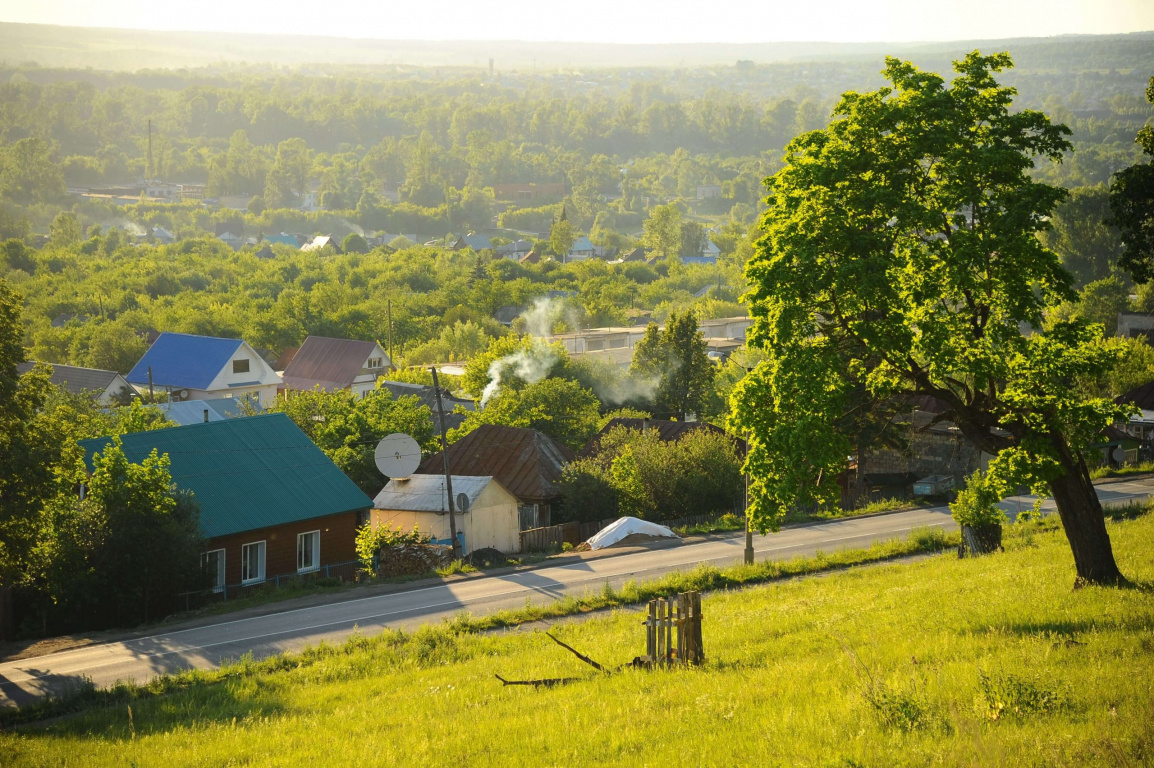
{"points": [[492, 519], [333, 364], [204, 368]]}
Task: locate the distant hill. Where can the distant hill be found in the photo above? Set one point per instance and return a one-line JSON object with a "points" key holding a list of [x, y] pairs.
{"points": [[125, 49]]}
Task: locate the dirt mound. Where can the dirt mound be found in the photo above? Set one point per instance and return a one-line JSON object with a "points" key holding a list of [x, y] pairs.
{"points": [[487, 557], [412, 559]]}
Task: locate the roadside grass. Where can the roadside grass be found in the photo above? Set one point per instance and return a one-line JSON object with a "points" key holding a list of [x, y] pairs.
{"points": [[732, 522], [1130, 469], [986, 661]]}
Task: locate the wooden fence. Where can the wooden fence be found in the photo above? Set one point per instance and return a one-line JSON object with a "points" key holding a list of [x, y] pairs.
{"points": [[673, 631]]}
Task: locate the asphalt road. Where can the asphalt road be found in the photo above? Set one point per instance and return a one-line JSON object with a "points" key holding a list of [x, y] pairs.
{"points": [[205, 646]]}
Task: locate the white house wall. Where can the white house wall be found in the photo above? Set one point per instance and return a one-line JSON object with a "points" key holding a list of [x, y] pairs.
{"points": [[228, 384]]}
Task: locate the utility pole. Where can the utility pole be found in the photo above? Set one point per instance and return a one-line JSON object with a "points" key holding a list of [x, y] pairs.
{"points": [[748, 528], [151, 395], [389, 304], [445, 461], [148, 171]]}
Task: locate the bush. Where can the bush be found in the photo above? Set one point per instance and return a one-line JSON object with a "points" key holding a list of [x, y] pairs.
{"points": [[371, 540], [976, 505]]}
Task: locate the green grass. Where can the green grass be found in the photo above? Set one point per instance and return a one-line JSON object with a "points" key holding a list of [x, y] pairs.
{"points": [[732, 522], [1130, 469], [987, 661]]}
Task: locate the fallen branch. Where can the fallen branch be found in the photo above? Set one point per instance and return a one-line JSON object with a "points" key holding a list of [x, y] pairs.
{"points": [[548, 682], [578, 654]]}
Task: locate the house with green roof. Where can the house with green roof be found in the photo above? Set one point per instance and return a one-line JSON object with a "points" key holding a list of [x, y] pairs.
{"points": [[271, 502]]}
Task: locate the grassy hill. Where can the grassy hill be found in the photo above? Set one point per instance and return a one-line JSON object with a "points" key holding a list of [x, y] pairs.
{"points": [[994, 661]]}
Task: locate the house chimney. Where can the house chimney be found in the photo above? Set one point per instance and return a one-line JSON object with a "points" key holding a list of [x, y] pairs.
{"points": [[205, 415]]}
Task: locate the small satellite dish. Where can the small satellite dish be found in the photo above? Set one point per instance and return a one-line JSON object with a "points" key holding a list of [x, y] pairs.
{"points": [[397, 455], [1119, 454], [462, 502]]}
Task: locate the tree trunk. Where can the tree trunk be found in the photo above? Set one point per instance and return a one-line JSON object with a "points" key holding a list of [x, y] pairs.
{"points": [[1082, 519]]}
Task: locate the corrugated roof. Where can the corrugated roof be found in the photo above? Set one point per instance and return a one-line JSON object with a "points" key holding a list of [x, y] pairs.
{"points": [[185, 412], [247, 473], [329, 363], [428, 396], [528, 463], [75, 380], [426, 493], [1142, 396], [183, 360], [668, 431]]}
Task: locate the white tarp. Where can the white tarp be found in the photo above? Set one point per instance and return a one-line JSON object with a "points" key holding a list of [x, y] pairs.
{"points": [[627, 526]]}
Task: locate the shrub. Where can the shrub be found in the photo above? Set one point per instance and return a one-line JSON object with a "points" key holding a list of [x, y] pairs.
{"points": [[976, 504], [371, 540], [1002, 696]]}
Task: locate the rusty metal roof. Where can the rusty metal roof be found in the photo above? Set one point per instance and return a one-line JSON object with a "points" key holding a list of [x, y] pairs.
{"points": [[329, 363], [1142, 396], [527, 463]]}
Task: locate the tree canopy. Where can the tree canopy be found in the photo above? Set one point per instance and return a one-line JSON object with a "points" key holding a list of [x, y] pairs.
{"points": [[901, 258]]}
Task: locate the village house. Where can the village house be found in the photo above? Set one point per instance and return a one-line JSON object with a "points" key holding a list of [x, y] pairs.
{"points": [[271, 503], [490, 520], [105, 387], [334, 364], [472, 240], [527, 463], [428, 397], [192, 367]]}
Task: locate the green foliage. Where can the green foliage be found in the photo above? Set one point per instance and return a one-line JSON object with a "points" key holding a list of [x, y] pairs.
{"points": [[1132, 204], [347, 428], [65, 229], [977, 503], [371, 540], [634, 473], [120, 556], [1079, 234], [663, 231], [678, 358], [876, 280], [560, 408], [1003, 696], [562, 236], [354, 243]]}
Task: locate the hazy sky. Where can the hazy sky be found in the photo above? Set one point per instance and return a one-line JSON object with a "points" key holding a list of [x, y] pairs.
{"points": [[617, 21]]}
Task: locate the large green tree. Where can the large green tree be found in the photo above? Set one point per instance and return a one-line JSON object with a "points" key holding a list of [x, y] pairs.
{"points": [[900, 257], [1079, 234], [677, 359], [1132, 202]]}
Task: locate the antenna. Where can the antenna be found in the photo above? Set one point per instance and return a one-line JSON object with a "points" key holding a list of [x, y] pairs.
{"points": [[397, 455]]}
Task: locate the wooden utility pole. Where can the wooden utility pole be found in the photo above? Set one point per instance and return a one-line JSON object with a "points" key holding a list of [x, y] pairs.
{"points": [[389, 305], [445, 461], [748, 528]]}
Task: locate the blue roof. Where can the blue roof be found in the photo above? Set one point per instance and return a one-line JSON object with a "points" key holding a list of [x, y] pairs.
{"points": [[185, 412], [283, 239], [183, 360], [477, 242], [247, 473], [582, 243], [710, 260]]}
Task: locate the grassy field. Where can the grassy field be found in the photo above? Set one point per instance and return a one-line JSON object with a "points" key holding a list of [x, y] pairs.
{"points": [[991, 661]]}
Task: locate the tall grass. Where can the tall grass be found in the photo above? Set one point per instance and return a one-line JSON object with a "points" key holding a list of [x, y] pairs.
{"points": [[982, 661]]}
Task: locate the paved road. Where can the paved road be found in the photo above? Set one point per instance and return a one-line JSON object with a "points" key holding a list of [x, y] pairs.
{"points": [[205, 646]]}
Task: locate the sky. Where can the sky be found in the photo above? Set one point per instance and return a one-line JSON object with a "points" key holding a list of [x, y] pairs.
{"points": [[607, 21]]}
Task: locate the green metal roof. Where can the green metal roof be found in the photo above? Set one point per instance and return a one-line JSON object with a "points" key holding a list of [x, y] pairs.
{"points": [[246, 473]]}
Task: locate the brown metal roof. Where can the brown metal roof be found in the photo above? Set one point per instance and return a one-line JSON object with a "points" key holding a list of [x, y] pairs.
{"points": [[330, 363], [526, 462], [668, 431], [1142, 396]]}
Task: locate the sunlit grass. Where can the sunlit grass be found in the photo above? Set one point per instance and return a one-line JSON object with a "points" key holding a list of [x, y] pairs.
{"points": [[986, 661]]}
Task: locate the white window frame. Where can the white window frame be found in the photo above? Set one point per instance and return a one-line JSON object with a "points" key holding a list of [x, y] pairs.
{"points": [[316, 566], [221, 572], [263, 561]]}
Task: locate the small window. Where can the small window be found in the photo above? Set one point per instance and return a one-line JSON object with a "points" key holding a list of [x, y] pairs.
{"points": [[213, 563], [616, 343], [240, 366], [308, 551], [252, 563], [374, 362]]}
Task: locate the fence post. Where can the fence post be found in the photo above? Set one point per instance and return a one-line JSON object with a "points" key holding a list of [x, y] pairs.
{"points": [[651, 632], [698, 644]]}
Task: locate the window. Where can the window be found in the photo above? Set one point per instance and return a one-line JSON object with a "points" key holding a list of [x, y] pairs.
{"points": [[213, 563], [240, 366], [616, 343], [595, 344], [374, 362], [308, 551], [252, 563]]}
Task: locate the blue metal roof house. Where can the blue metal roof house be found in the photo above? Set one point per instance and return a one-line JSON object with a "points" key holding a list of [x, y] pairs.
{"points": [[203, 368], [271, 502]]}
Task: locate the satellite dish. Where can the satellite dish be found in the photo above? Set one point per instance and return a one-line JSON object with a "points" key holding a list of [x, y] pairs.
{"points": [[462, 502], [397, 455], [1119, 454]]}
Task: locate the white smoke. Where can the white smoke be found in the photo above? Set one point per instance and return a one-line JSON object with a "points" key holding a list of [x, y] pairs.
{"points": [[530, 365], [546, 314], [353, 227], [131, 227]]}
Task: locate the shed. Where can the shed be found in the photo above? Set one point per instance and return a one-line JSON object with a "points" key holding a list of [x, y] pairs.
{"points": [[526, 462], [421, 501]]}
